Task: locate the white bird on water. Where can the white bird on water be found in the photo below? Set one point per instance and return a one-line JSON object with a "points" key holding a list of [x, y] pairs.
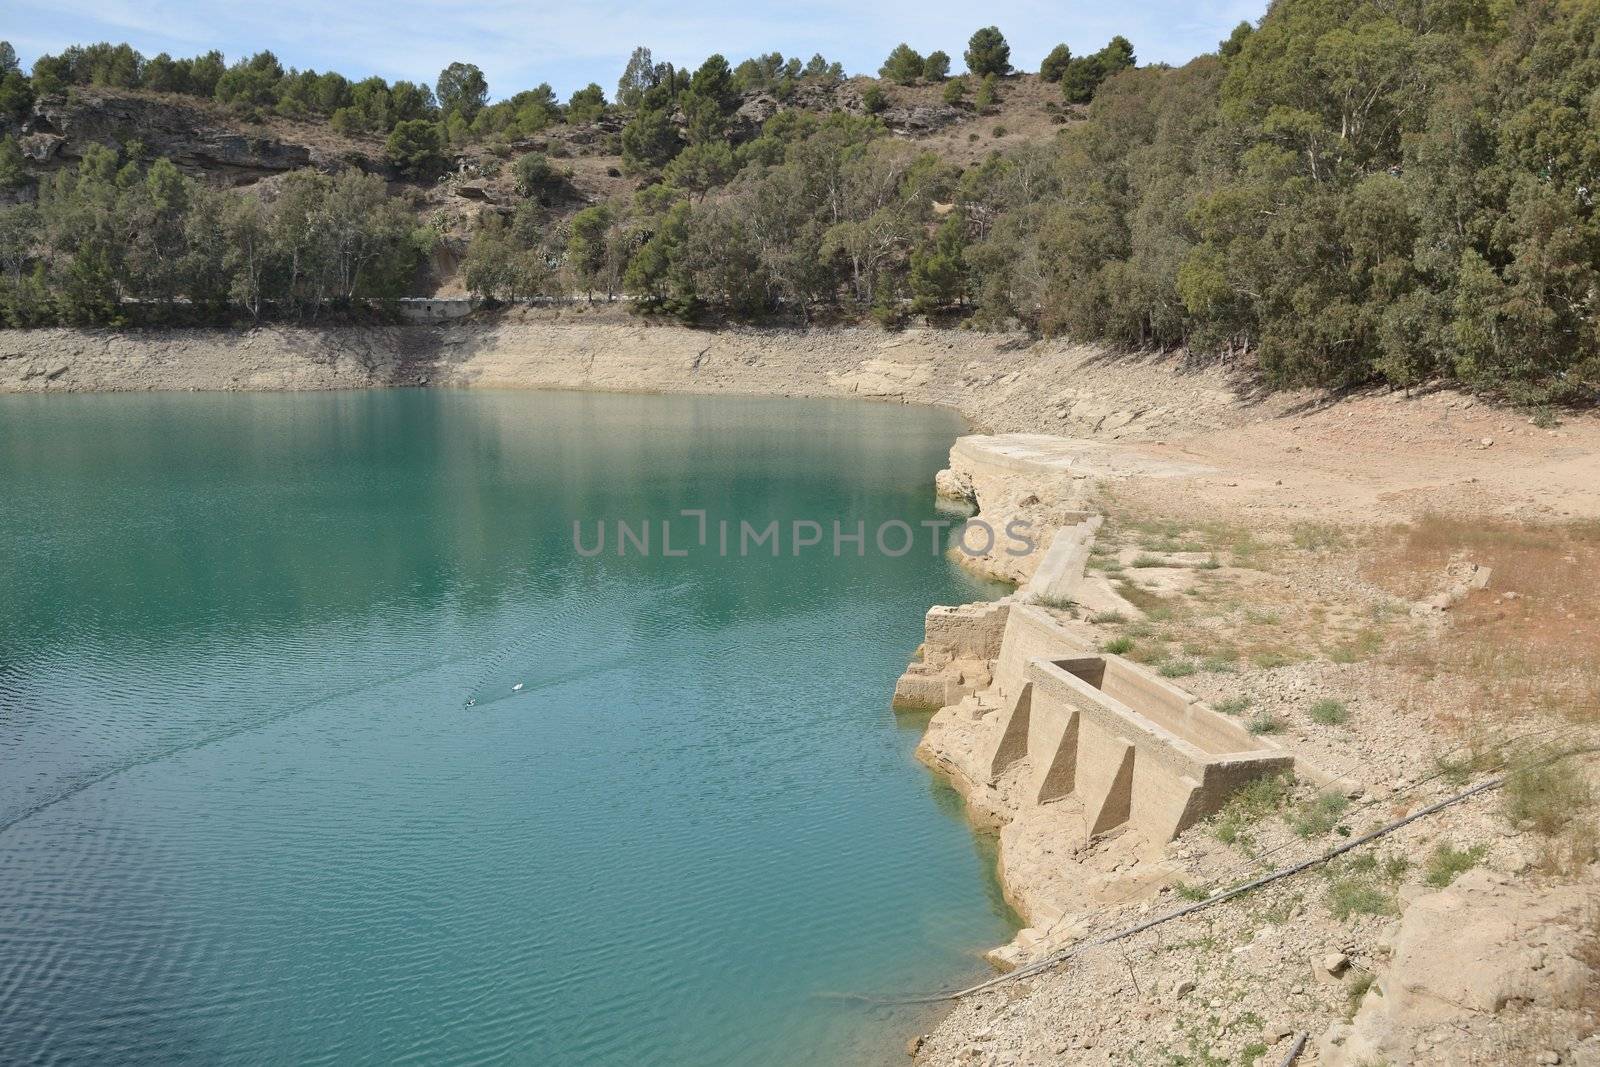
{"points": [[517, 688]]}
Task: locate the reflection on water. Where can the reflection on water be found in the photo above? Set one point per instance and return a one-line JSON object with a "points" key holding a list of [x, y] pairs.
{"points": [[248, 814]]}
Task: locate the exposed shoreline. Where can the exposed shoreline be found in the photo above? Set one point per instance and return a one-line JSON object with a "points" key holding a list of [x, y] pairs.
{"points": [[1001, 382]]}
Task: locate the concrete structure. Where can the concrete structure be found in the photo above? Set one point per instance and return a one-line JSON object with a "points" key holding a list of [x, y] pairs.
{"points": [[961, 644], [1130, 748], [1058, 721], [1061, 570], [430, 309]]}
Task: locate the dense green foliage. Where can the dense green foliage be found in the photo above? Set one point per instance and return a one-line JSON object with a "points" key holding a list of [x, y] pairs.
{"points": [[1081, 76], [903, 66], [1055, 63], [988, 53], [413, 147], [120, 238]]}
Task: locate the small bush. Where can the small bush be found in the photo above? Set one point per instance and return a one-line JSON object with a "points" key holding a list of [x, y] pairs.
{"points": [[1330, 712], [1118, 646], [1147, 560], [1358, 896], [1191, 892], [999, 131], [1458, 770], [1235, 705], [1210, 564], [1447, 863], [1247, 807], [534, 175], [1318, 816], [1315, 537], [1177, 668], [1357, 991], [1362, 646], [1265, 723], [1108, 618], [1058, 603], [1547, 796]]}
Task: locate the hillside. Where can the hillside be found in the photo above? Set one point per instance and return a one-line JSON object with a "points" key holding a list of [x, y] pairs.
{"points": [[222, 147]]}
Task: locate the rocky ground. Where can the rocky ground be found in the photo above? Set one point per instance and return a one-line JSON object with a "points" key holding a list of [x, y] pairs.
{"points": [[1396, 605]]}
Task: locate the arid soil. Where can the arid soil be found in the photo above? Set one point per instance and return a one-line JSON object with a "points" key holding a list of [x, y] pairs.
{"points": [[1300, 560]]}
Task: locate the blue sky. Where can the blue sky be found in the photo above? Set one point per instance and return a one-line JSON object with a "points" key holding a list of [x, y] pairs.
{"points": [[519, 44]]}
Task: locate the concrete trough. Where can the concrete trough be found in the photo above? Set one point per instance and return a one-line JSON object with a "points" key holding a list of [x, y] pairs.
{"points": [[1132, 749]]}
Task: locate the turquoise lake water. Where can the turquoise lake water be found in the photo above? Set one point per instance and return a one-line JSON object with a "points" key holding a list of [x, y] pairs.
{"points": [[247, 815]]}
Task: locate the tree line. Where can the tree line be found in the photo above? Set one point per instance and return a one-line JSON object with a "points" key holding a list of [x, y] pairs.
{"points": [[122, 239]]}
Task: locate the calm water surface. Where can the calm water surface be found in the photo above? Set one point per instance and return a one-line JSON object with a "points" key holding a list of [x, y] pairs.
{"points": [[247, 817]]}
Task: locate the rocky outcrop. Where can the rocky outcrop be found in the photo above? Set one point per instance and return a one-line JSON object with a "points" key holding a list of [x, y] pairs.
{"points": [[63, 127], [1472, 966]]}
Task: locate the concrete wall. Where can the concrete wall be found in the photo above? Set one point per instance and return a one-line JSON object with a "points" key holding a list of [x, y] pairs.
{"points": [[968, 631], [1150, 756], [1030, 632], [958, 652], [1061, 570], [421, 309]]}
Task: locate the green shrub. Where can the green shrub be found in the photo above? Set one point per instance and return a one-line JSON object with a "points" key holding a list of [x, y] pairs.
{"points": [[1249, 806], [1330, 712], [1547, 795], [1265, 722], [1118, 646], [1359, 896], [1318, 816], [1447, 863]]}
